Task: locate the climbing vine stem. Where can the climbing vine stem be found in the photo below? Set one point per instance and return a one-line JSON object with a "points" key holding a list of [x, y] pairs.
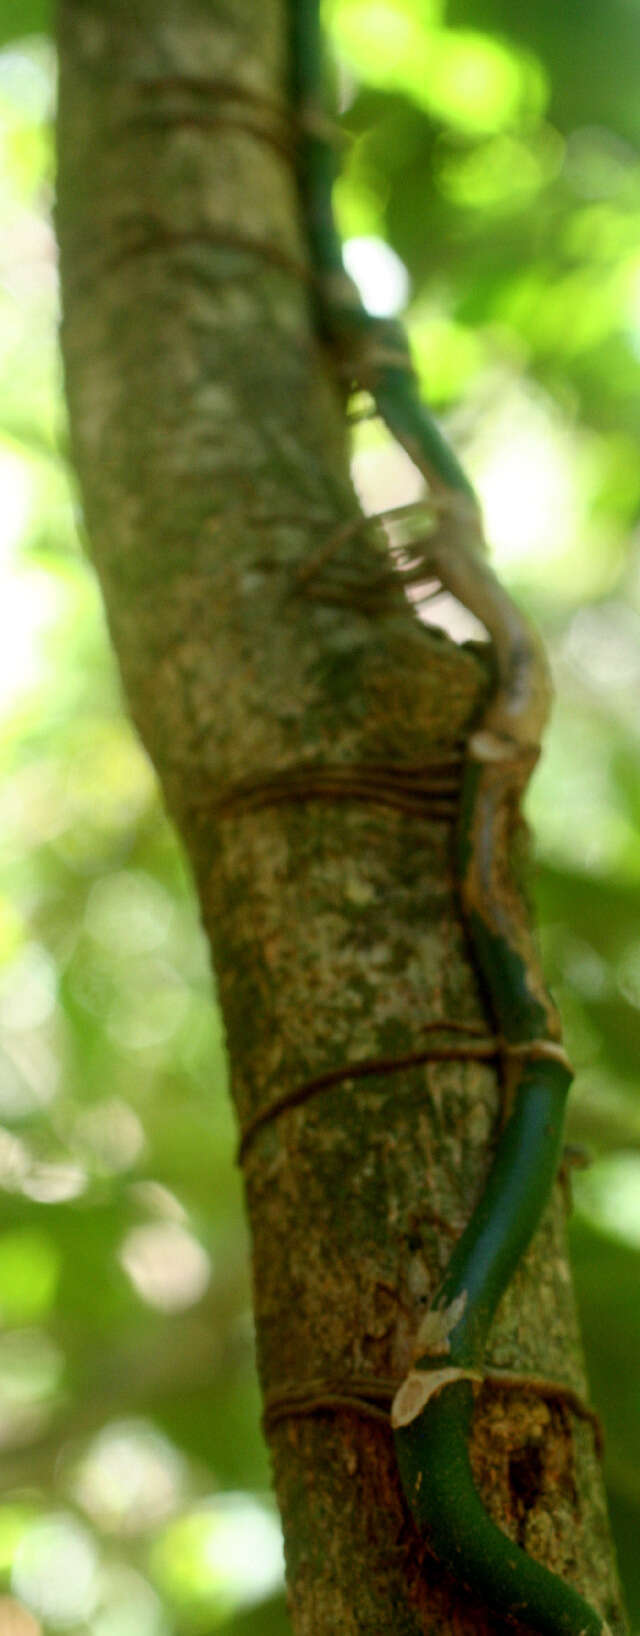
{"points": [[432, 1410]]}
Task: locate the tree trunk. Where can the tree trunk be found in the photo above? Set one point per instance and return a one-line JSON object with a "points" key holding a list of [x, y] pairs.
{"points": [[295, 710]]}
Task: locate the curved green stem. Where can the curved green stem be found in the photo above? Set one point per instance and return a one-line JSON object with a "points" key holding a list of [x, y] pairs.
{"points": [[515, 1193], [438, 1484], [377, 345], [432, 1423]]}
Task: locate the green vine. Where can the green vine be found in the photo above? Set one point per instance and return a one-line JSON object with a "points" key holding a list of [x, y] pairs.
{"points": [[432, 1411]]}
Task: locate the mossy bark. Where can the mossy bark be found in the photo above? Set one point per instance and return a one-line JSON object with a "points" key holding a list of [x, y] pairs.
{"points": [[208, 434]]}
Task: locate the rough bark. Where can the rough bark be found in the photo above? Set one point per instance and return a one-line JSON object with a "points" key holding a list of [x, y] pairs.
{"points": [[208, 437]]}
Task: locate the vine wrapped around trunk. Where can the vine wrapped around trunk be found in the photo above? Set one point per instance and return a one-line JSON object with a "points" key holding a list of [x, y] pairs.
{"points": [[308, 734]]}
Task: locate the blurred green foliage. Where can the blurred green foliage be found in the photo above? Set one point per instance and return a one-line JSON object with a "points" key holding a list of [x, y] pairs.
{"points": [[494, 145]]}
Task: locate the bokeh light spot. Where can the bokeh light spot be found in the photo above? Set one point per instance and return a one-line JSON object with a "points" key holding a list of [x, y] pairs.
{"points": [[128, 1605], [110, 1134], [381, 277], [167, 1266], [130, 1478], [56, 1570], [608, 1195], [129, 912], [226, 1552]]}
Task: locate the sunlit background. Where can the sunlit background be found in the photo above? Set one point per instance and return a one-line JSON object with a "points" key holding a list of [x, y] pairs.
{"points": [[495, 147]]}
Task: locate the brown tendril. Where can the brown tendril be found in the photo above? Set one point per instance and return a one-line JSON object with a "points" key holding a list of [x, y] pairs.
{"points": [[157, 238], [428, 789], [305, 120], [151, 237], [213, 103], [217, 87], [479, 1048], [351, 528], [211, 120], [339, 536], [208, 104], [373, 1395]]}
